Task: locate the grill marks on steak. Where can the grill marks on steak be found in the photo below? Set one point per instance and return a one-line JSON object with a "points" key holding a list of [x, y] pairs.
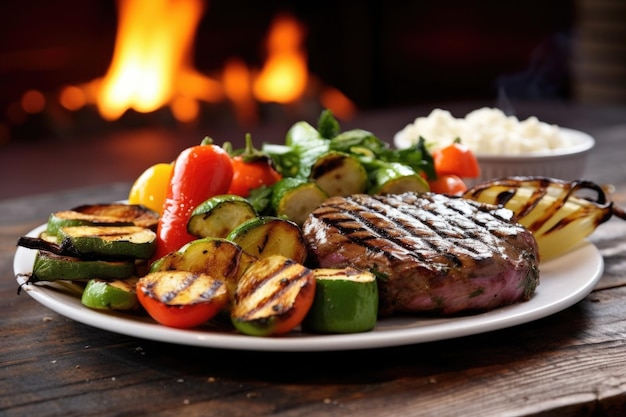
{"points": [[431, 252]]}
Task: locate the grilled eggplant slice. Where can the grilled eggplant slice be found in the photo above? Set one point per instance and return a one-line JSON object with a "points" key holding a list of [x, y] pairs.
{"points": [[273, 297], [110, 242], [338, 173], [70, 218], [115, 214], [266, 236]]}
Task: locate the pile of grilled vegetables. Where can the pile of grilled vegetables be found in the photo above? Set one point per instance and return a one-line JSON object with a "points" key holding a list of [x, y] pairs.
{"points": [[242, 268], [242, 258], [101, 245], [250, 270]]}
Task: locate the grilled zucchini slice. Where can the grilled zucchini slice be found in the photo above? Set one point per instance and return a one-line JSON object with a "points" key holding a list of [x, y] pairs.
{"points": [[52, 267], [217, 216], [339, 174], [109, 242], [396, 178], [265, 236], [117, 294], [221, 258], [296, 198]]}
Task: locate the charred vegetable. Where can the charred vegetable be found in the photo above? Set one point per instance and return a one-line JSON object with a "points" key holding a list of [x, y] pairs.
{"points": [[109, 242], [219, 215], [181, 299], [138, 214], [346, 301], [273, 297], [51, 267], [396, 178], [262, 237], [338, 173], [114, 214], [560, 214], [218, 257], [295, 198], [116, 294]]}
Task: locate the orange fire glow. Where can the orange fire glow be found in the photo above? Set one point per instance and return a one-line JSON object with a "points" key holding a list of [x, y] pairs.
{"points": [[151, 68], [284, 76], [151, 62]]}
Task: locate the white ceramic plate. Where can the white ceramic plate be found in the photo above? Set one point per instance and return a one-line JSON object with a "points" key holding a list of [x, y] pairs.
{"points": [[564, 281]]}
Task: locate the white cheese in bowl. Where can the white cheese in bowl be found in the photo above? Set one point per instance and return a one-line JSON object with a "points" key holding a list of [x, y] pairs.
{"points": [[486, 131]]}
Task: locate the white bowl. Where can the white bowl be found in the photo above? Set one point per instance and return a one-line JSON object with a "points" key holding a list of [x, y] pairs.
{"points": [[566, 164]]}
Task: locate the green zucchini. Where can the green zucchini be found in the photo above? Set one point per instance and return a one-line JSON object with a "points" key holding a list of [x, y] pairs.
{"points": [[346, 301], [265, 236], [396, 178], [339, 174], [52, 267], [220, 258], [296, 198], [109, 242], [116, 294], [217, 216]]}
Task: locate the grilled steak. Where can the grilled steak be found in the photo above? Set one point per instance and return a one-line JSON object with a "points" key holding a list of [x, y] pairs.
{"points": [[431, 253]]}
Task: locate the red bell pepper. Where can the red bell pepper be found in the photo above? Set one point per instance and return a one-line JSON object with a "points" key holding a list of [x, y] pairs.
{"points": [[200, 172]]}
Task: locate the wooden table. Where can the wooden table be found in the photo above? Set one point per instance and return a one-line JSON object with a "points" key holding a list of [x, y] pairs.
{"points": [[572, 363]]}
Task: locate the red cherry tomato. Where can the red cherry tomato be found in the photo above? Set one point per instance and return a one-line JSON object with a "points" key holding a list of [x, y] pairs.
{"points": [[251, 169], [250, 175], [448, 184], [456, 159]]}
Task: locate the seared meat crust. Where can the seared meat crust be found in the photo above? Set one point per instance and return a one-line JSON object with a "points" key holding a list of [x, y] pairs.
{"points": [[431, 253]]}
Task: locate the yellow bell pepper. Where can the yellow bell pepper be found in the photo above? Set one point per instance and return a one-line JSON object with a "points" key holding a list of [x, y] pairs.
{"points": [[150, 187]]}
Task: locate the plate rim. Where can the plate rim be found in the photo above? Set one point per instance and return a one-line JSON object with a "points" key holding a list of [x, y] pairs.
{"points": [[404, 330]]}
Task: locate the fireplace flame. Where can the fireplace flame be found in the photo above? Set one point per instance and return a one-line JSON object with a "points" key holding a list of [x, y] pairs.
{"points": [[151, 62], [151, 68], [284, 76]]}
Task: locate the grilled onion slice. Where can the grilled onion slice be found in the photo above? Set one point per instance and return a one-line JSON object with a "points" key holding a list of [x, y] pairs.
{"points": [[560, 214]]}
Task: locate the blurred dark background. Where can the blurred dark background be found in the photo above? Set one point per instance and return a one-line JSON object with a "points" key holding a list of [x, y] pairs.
{"points": [[380, 54]]}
